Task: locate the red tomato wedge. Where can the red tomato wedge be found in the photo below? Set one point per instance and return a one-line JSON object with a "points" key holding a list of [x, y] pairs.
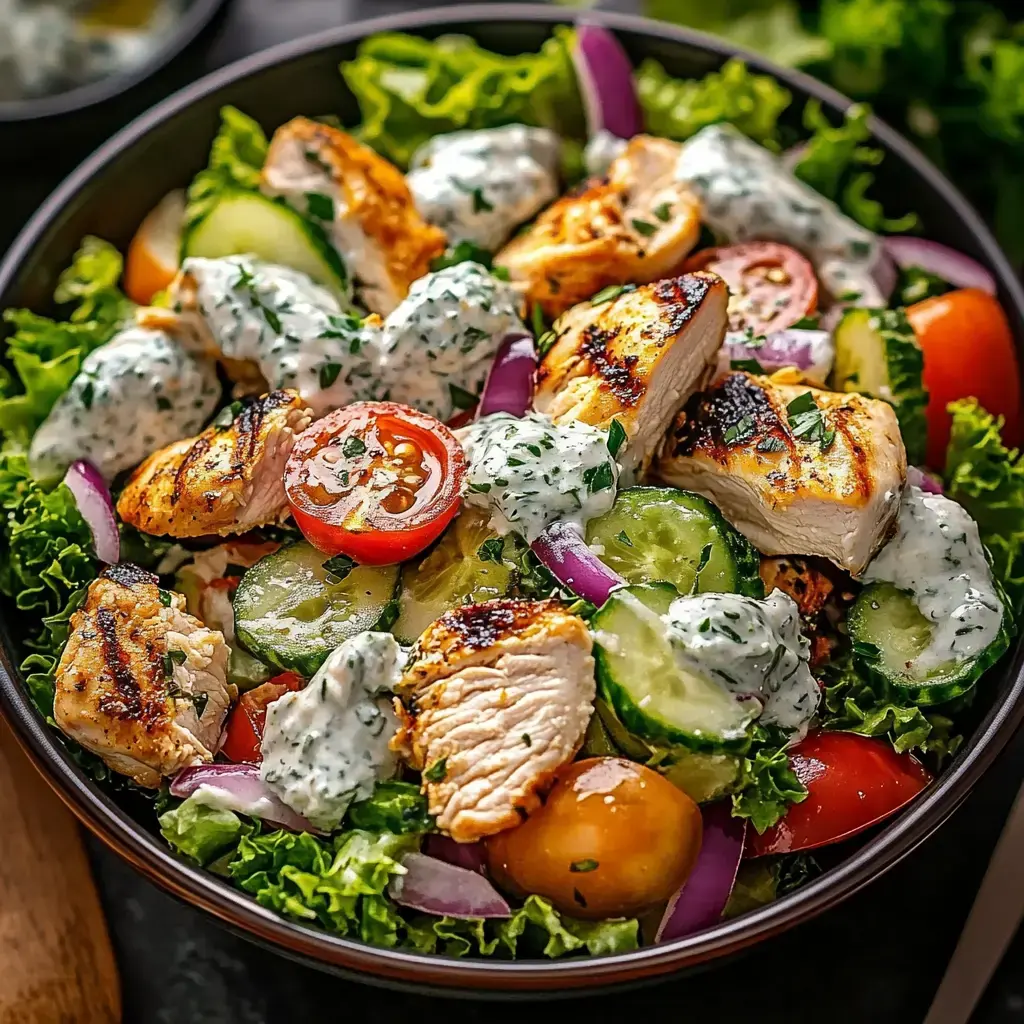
{"points": [[376, 481], [968, 351], [771, 286], [852, 783], [244, 731]]}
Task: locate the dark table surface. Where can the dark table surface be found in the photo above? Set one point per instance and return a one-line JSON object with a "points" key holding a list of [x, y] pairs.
{"points": [[877, 958]]}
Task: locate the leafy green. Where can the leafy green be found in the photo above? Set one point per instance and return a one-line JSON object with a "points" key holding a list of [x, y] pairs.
{"points": [[679, 108], [762, 881], [199, 831], [915, 284], [987, 478], [396, 807], [767, 784], [91, 284], [410, 89], [237, 155]]}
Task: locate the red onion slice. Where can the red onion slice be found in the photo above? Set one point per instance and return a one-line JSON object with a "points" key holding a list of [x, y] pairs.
{"points": [[250, 794], [563, 550], [470, 856], [811, 351], [605, 75], [94, 501], [701, 900], [435, 887], [959, 270], [928, 482], [509, 386]]}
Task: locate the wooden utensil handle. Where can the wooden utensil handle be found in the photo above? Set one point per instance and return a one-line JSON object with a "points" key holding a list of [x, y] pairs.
{"points": [[58, 964]]}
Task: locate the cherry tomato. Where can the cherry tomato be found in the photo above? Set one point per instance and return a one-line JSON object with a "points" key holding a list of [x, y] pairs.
{"points": [[244, 731], [852, 783], [376, 481], [612, 839], [771, 286], [968, 351]]}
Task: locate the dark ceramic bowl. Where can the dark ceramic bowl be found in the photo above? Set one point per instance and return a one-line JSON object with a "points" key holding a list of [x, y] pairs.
{"points": [[108, 196]]}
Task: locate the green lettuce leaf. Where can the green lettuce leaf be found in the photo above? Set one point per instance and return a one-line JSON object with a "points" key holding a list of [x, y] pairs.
{"points": [[987, 478], [410, 89], [91, 284], [767, 784], [762, 881], [397, 807], [678, 108], [199, 831]]}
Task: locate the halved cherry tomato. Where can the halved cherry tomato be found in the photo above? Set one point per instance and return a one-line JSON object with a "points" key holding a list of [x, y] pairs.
{"points": [[153, 255], [968, 351], [771, 286], [852, 783], [244, 731], [376, 481]]}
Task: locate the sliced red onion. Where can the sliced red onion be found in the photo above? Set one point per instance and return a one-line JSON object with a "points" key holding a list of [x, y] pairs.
{"points": [[926, 481], [509, 386], [470, 856], [248, 793], [435, 887], [605, 75], [563, 550], [959, 270], [701, 900], [811, 351], [94, 501], [885, 272]]}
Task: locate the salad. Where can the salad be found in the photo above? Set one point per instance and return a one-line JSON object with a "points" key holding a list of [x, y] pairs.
{"points": [[526, 523]]}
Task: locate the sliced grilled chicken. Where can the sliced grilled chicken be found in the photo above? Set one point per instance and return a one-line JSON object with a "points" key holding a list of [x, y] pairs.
{"points": [[142, 683], [496, 697], [229, 479], [637, 359], [797, 470], [635, 225], [363, 202]]}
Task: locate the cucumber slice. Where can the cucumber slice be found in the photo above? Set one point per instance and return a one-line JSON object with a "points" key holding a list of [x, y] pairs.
{"points": [[291, 612], [653, 695], [877, 354], [660, 533], [889, 632], [451, 574], [244, 223]]}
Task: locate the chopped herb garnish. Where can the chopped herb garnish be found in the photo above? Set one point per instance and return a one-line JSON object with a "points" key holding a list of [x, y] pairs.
{"points": [[329, 374], [88, 393], [479, 488], [807, 422], [461, 398], [579, 898], [165, 597], [643, 227], [491, 550], [616, 437], [623, 538], [581, 866], [320, 206], [545, 343], [742, 430], [437, 771], [353, 446], [747, 365], [163, 403], [339, 566], [771, 444], [527, 741], [663, 211], [613, 291], [598, 478], [227, 415]]}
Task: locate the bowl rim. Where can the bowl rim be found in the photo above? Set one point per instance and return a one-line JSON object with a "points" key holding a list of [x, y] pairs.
{"points": [[196, 16], [433, 973]]}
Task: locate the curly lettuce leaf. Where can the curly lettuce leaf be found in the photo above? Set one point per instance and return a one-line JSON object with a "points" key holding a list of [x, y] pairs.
{"points": [[987, 478], [678, 108], [767, 785], [199, 831], [397, 807], [91, 284], [410, 89]]}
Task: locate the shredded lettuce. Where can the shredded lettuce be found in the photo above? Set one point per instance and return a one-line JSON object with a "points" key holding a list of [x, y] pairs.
{"points": [[200, 832], [410, 89], [397, 807], [767, 785], [678, 108]]}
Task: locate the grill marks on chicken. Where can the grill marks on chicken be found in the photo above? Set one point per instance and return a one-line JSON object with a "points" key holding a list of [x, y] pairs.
{"points": [[830, 494], [229, 479], [636, 359], [495, 698], [141, 683]]}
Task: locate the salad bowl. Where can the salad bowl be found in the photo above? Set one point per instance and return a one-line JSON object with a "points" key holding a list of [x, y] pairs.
{"points": [[114, 190]]}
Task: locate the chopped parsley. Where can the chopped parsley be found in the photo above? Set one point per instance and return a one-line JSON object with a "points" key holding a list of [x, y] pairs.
{"points": [[598, 478], [616, 437], [807, 422], [320, 206], [329, 374], [437, 771], [740, 431], [771, 444], [88, 393], [165, 598], [461, 398], [339, 566], [353, 446], [663, 211], [527, 741], [643, 227], [227, 415], [491, 550], [747, 365], [612, 292], [623, 538]]}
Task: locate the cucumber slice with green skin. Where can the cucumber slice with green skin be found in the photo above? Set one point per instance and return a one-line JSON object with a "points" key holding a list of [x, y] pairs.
{"points": [[451, 574], [654, 696], [243, 223], [656, 534], [291, 612], [888, 632], [245, 671], [877, 354]]}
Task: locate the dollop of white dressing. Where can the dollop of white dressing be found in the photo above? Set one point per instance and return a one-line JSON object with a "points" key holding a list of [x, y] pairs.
{"points": [[601, 149], [529, 472], [748, 195], [326, 746], [137, 393], [481, 185], [937, 556], [752, 648]]}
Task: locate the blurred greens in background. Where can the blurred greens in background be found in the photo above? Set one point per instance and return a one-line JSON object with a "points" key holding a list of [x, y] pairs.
{"points": [[949, 74]]}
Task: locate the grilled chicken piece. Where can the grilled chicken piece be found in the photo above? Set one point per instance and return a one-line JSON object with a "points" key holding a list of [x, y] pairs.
{"points": [[229, 479], [836, 495], [141, 683], [372, 218], [637, 358], [636, 225], [496, 697]]}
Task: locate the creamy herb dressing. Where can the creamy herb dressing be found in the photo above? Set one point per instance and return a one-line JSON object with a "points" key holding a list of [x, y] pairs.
{"points": [[748, 195], [937, 556], [601, 149], [529, 473], [135, 394], [481, 185], [326, 746]]}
